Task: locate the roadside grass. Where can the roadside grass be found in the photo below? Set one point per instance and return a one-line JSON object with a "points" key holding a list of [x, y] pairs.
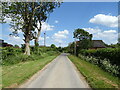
{"points": [[96, 77], [13, 75]]}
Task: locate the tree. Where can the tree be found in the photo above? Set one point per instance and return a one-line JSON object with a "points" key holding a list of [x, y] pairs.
{"points": [[84, 39], [60, 49], [53, 46], [25, 16], [46, 9], [16, 46]]}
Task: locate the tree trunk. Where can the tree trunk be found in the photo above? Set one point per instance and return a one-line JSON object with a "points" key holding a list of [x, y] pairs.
{"points": [[37, 38], [38, 35], [27, 49], [27, 46]]}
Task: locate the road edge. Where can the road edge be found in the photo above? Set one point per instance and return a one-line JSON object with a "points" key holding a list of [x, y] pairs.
{"points": [[34, 76], [82, 77]]}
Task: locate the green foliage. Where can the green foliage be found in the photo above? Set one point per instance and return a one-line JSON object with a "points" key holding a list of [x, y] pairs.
{"points": [[36, 50], [81, 34], [53, 46], [10, 51], [60, 49], [25, 17], [84, 39], [11, 55], [113, 54], [85, 44], [104, 64], [107, 58], [23, 47], [97, 77], [19, 73], [16, 46]]}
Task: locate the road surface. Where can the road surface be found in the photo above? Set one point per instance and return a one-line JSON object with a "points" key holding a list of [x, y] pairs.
{"points": [[60, 73]]}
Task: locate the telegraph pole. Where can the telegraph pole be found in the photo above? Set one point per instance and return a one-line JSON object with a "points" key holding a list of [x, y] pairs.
{"points": [[75, 46], [44, 38]]}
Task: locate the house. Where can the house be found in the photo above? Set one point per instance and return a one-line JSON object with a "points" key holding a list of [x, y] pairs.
{"points": [[95, 44], [4, 44]]}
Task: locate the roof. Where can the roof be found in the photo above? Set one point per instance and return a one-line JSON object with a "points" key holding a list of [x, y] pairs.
{"points": [[98, 44]]}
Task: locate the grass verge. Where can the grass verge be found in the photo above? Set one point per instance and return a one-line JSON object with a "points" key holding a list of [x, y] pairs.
{"points": [[96, 77], [13, 75]]}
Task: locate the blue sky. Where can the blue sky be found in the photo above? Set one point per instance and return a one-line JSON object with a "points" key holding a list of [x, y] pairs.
{"points": [[98, 18]]}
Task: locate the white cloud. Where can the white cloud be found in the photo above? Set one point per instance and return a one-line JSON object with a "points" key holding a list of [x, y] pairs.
{"points": [[60, 36], [56, 21], [58, 40], [108, 36], [15, 40], [42, 38], [46, 27], [92, 30], [110, 31], [106, 20]]}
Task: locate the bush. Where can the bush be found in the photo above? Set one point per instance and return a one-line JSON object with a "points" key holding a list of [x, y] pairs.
{"points": [[18, 58], [10, 51], [113, 54], [104, 64], [11, 55]]}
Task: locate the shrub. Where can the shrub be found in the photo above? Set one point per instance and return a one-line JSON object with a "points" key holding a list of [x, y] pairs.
{"points": [[10, 51], [17, 59], [11, 55], [104, 64], [113, 54]]}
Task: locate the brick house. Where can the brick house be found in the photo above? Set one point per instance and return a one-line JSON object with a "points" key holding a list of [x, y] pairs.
{"points": [[4, 44]]}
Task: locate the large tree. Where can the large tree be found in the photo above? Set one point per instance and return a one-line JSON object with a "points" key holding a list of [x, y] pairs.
{"points": [[42, 14], [84, 39], [25, 17]]}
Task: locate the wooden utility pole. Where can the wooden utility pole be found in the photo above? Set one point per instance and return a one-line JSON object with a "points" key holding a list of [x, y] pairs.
{"points": [[75, 46], [44, 38]]}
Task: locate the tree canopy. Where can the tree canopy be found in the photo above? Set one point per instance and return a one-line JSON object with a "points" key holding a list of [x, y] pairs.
{"points": [[84, 39], [25, 16], [53, 46]]}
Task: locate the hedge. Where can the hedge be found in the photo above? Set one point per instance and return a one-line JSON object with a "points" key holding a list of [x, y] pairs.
{"points": [[104, 64], [112, 54]]}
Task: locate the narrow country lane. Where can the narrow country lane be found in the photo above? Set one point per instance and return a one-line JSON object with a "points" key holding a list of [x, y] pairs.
{"points": [[60, 73]]}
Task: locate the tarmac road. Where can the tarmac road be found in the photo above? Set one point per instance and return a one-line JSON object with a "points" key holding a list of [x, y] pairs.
{"points": [[60, 73]]}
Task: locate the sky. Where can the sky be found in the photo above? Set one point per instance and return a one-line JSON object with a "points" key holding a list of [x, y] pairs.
{"points": [[97, 18]]}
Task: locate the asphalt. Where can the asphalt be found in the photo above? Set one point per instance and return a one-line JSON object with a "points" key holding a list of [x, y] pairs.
{"points": [[60, 73]]}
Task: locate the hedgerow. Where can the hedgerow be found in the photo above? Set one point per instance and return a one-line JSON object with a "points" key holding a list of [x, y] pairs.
{"points": [[11, 55], [104, 64], [113, 54]]}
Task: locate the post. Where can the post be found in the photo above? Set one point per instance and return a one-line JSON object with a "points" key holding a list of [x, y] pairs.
{"points": [[44, 39], [75, 46]]}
